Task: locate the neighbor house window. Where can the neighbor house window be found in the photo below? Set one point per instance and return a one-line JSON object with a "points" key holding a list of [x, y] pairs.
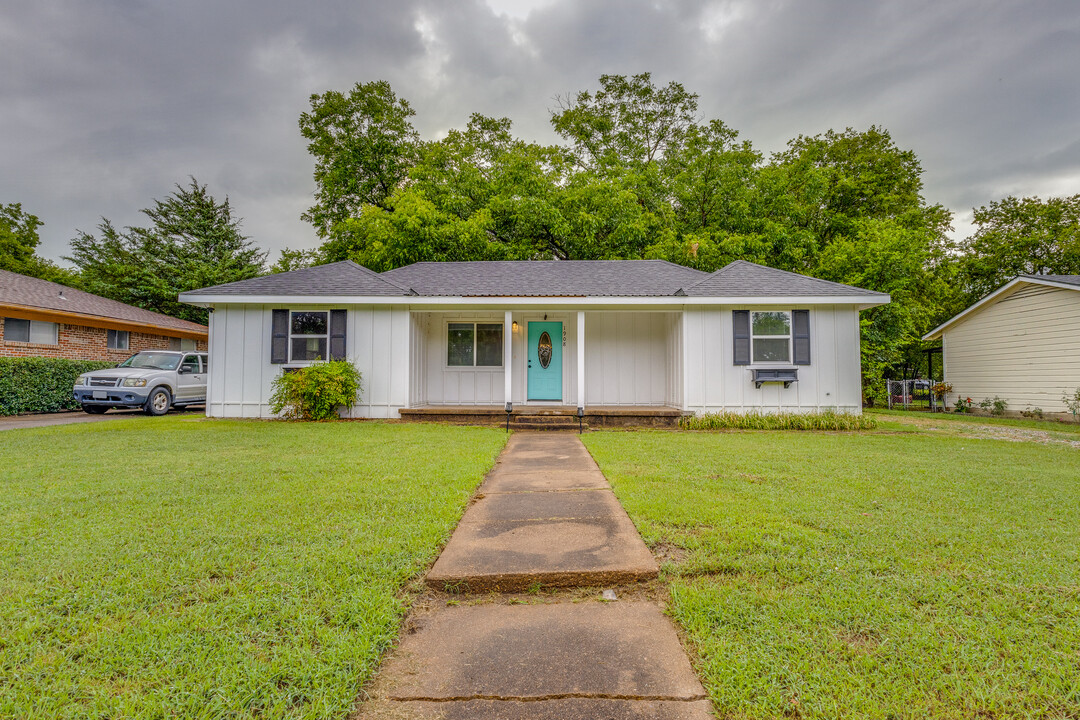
{"points": [[474, 344], [308, 335], [118, 339], [31, 331], [182, 344], [771, 336]]}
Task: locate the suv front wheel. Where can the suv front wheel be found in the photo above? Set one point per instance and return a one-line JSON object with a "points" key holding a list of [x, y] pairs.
{"points": [[158, 402]]}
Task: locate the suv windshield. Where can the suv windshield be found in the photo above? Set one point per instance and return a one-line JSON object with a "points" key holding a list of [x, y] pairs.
{"points": [[152, 360]]}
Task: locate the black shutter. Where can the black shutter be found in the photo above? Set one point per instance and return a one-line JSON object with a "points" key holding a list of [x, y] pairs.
{"points": [[800, 321], [337, 334], [279, 337], [741, 324]]}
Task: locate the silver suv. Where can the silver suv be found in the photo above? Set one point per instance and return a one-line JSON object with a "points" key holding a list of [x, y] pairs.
{"points": [[154, 380]]}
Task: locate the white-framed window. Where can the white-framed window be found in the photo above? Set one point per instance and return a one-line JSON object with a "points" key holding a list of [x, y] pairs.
{"points": [[31, 331], [118, 339], [474, 344], [770, 333], [309, 335]]}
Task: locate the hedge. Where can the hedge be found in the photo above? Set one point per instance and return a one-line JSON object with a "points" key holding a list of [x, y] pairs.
{"points": [[41, 384]]}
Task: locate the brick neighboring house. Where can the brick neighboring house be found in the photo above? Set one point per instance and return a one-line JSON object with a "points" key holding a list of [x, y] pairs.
{"points": [[43, 319]]}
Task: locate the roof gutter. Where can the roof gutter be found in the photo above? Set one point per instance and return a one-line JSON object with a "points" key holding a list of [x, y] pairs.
{"points": [[862, 301]]}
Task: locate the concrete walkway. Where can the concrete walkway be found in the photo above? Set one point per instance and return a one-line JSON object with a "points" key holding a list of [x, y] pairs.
{"points": [[545, 516]]}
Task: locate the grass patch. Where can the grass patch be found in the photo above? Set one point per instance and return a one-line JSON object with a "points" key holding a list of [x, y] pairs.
{"points": [[778, 421], [176, 567], [881, 574]]}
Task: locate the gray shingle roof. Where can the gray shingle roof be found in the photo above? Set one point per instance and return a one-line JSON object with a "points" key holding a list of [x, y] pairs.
{"points": [[1066, 279], [537, 278], [746, 279], [25, 291], [546, 278], [340, 278]]}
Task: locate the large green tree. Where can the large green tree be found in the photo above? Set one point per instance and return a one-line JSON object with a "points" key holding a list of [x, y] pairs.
{"points": [[18, 247], [193, 241], [363, 144], [1020, 236]]}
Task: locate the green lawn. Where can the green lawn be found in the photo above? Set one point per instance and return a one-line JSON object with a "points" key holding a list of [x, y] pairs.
{"points": [[161, 567], [886, 574]]}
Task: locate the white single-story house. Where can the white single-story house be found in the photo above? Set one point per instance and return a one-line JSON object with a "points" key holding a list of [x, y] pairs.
{"points": [[1020, 343], [593, 335]]}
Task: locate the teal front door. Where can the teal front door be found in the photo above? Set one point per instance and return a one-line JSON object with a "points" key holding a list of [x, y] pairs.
{"points": [[545, 361]]}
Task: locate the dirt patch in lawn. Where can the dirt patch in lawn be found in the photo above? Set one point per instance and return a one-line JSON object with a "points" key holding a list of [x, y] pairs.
{"points": [[984, 431]]}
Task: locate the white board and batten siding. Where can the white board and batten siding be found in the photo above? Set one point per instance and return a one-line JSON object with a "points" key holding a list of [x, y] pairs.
{"points": [[1023, 347], [377, 340], [832, 380], [631, 358], [680, 359]]}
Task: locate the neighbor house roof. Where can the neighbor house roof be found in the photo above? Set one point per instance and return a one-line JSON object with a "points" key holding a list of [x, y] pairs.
{"points": [[35, 299], [631, 279], [1064, 279], [1064, 282]]}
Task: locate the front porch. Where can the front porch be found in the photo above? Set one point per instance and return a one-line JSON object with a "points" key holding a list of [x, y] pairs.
{"points": [[614, 363], [549, 416]]}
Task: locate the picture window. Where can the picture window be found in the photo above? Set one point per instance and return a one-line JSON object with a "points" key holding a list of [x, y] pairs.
{"points": [[474, 344]]}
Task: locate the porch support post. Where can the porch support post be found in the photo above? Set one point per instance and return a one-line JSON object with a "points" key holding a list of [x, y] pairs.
{"points": [[508, 348], [581, 359]]}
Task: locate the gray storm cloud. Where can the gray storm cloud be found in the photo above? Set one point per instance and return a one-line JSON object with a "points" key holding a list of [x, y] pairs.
{"points": [[107, 105]]}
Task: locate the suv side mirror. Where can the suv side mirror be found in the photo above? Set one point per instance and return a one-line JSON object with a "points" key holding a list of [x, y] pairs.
{"points": [[184, 370]]}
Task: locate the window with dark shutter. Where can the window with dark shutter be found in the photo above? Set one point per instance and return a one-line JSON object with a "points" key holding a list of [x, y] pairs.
{"points": [[337, 334], [741, 338], [279, 337], [800, 321]]}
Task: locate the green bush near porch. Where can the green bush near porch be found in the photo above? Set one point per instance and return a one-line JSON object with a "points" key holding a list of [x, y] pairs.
{"points": [[41, 384]]}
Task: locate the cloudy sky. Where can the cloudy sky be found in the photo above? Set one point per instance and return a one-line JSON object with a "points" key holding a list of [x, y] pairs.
{"points": [[105, 105]]}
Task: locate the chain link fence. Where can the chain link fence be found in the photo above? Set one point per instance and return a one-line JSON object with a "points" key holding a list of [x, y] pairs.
{"points": [[911, 395]]}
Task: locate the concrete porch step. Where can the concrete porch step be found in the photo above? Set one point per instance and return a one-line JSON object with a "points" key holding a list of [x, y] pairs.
{"points": [[523, 424], [595, 415]]}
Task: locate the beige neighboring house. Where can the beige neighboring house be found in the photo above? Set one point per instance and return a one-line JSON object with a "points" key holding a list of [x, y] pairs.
{"points": [[1020, 343]]}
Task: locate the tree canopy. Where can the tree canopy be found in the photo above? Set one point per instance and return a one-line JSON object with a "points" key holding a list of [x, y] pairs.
{"points": [[1020, 236], [193, 241], [18, 247]]}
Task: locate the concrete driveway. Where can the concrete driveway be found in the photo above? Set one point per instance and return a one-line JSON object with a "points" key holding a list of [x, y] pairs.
{"points": [[14, 422]]}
